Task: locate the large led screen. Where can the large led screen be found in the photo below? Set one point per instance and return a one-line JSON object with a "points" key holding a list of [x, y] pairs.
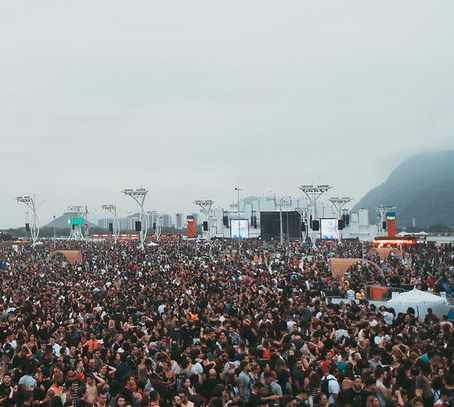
{"points": [[239, 228], [329, 229], [271, 224]]}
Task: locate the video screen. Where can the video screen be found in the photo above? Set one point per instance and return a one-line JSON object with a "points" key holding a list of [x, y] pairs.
{"points": [[239, 228], [329, 229]]}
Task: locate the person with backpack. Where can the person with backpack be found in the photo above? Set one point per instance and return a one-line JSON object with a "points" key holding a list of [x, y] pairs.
{"points": [[329, 383]]}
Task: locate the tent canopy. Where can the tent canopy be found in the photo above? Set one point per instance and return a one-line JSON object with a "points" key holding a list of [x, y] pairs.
{"points": [[73, 256], [416, 296], [339, 267], [384, 252], [419, 301]]}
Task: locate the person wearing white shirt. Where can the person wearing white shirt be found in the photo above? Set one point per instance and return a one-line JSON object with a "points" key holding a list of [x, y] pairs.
{"points": [[55, 346]]}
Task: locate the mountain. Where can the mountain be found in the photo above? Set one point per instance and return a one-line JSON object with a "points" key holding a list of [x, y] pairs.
{"points": [[422, 188], [62, 222]]}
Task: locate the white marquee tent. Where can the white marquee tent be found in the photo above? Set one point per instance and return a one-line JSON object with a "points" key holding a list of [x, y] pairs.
{"points": [[419, 301]]}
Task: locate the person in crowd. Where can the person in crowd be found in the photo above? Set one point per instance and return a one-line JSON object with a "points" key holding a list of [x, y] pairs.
{"points": [[257, 319]]}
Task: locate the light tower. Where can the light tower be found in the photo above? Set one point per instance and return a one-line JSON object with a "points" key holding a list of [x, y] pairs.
{"points": [[238, 189], [34, 227], [281, 227], [338, 204], [113, 210], [382, 210], [158, 220], [155, 221], [205, 208], [304, 215], [313, 192], [76, 220], [86, 226], [139, 196]]}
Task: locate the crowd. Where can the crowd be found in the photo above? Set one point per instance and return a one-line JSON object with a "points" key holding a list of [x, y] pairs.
{"points": [[219, 324]]}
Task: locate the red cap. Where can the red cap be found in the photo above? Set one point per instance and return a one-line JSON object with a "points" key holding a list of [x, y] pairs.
{"points": [[324, 364]]}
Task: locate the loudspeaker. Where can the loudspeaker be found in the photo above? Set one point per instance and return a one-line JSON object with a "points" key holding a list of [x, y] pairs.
{"points": [[303, 227], [205, 226], [138, 226], [110, 227], [384, 225], [27, 227], [74, 227], [346, 218], [225, 221], [315, 225], [340, 224], [154, 226], [254, 222]]}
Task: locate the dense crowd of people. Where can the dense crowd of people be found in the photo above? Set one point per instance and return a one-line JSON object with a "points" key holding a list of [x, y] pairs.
{"points": [[219, 324]]}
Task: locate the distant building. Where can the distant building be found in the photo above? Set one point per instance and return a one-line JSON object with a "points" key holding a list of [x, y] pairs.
{"points": [[166, 220], [179, 220], [123, 223]]}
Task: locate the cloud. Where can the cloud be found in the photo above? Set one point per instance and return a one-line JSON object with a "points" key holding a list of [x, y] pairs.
{"points": [[191, 99]]}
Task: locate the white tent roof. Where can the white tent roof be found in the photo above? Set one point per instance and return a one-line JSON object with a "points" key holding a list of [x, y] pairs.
{"points": [[417, 296], [420, 301]]}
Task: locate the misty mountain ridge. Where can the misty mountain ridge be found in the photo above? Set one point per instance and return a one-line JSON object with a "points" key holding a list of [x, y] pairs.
{"points": [[62, 222], [421, 188]]}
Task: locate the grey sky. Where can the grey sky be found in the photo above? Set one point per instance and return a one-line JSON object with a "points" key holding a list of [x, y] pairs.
{"points": [[192, 98]]}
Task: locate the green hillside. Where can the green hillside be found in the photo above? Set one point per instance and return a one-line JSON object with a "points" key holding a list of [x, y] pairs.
{"points": [[422, 188]]}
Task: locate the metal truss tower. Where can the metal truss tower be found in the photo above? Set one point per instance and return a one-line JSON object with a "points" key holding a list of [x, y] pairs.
{"points": [[139, 196], [304, 215], [338, 204], [34, 227], [76, 212], [156, 219], [313, 193], [205, 208], [115, 229]]}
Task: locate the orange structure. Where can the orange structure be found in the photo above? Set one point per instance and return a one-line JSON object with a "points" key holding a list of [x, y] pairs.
{"points": [[391, 221], [339, 266], [191, 225], [73, 256]]}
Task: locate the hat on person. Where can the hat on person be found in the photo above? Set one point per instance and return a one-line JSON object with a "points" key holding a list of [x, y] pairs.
{"points": [[324, 364], [425, 358]]}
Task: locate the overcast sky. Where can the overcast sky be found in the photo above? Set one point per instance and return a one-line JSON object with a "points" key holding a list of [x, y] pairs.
{"points": [[192, 98]]}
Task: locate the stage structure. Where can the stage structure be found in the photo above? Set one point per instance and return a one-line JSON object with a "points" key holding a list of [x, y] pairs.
{"points": [[77, 216], [34, 227], [139, 196], [275, 225]]}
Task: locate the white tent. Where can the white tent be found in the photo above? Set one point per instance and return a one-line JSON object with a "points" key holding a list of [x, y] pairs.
{"points": [[419, 301]]}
